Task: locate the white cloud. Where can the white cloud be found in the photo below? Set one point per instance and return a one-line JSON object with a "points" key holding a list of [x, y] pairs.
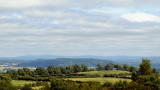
{"points": [[141, 17]]}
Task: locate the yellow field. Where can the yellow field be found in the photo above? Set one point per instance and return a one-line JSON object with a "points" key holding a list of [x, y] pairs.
{"points": [[101, 80]]}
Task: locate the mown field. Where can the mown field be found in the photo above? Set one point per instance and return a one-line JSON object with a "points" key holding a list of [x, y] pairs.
{"points": [[101, 73]]}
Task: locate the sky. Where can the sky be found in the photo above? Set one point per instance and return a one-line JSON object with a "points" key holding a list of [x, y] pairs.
{"points": [[80, 27]]}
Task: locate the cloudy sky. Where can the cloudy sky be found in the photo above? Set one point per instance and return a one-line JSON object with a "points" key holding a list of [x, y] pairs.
{"points": [[80, 27]]}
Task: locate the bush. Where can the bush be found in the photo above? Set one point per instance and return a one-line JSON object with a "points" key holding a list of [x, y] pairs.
{"points": [[26, 87]]}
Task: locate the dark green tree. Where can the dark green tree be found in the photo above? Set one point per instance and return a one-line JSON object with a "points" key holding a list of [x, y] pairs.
{"points": [[63, 70], [51, 70], [41, 71], [27, 71], [77, 68], [12, 72], [100, 67], [5, 83], [146, 75], [109, 66], [84, 68], [145, 67], [154, 70], [118, 67], [57, 70], [126, 67], [132, 68], [69, 69], [21, 72]]}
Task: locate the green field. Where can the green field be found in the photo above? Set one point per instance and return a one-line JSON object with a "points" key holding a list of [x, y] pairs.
{"points": [[101, 73], [21, 82], [101, 80]]}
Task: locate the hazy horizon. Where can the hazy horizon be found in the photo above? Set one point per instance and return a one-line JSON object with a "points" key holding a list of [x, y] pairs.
{"points": [[76, 28]]}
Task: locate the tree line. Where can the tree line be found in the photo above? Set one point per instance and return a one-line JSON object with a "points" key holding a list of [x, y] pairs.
{"points": [[54, 71], [112, 66], [143, 78]]}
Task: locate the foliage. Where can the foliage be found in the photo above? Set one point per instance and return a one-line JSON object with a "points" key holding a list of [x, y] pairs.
{"points": [[126, 67], [146, 75], [109, 66], [26, 87], [41, 71], [58, 84], [145, 67], [5, 83], [100, 67]]}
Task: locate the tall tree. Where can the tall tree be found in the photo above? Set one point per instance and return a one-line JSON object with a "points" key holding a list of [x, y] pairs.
{"points": [[146, 75], [145, 67]]}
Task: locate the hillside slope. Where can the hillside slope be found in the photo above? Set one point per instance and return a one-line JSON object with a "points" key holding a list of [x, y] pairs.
{"points": [[63, 62]]}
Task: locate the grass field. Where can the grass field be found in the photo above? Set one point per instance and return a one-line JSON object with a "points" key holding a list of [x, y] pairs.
{"points": [[101, 73], [101, 80], [21, 82]]}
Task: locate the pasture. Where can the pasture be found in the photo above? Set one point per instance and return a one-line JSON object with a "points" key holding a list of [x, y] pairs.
{"points": [[101, 73], [21, 82], [101, 80]]}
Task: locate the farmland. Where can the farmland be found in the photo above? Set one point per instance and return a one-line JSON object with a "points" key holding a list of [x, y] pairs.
{"points": [[21, 82], [101, 73], [101, 80]]}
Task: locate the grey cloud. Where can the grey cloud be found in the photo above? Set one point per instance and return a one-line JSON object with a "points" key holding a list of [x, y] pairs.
{"points": [[19, 4], [133, 2], [77, 31]]}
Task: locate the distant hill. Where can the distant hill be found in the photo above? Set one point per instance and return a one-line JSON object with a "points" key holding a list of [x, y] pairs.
{"points": [[119, 59], [63, 62], [131, 60]]}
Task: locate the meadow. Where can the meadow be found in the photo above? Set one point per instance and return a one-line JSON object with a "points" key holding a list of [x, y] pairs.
{"points": [[21, 82], [101, 73], [101, 80]]}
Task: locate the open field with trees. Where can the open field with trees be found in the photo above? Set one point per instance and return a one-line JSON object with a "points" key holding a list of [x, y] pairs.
{"points": [[80, 77]]}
